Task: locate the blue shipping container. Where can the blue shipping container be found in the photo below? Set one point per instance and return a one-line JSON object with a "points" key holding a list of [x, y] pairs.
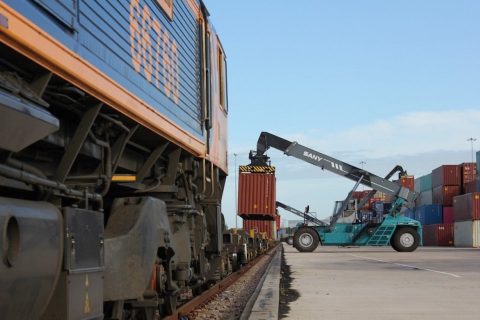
{"points": [[409, 213], [379, 207], [429, 214], [423, 183]]}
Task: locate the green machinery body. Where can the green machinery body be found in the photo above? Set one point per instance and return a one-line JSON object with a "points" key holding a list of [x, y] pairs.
{"points": [[365, 234]]}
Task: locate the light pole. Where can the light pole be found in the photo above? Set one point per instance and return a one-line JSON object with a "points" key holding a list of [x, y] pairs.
{"points": [[236, 204], [472, 140]]}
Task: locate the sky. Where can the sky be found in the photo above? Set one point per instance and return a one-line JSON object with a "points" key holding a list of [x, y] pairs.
{"points": [[374, 81]]}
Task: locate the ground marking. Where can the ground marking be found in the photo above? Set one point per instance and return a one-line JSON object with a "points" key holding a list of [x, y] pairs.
{"points": [[407, 266]]}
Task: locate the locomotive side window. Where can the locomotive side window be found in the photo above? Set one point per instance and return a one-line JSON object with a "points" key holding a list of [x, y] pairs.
{"points": [[222, 79], [167, 7]]}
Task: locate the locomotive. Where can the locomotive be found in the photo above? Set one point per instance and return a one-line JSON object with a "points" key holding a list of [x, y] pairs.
{"points": [[113, 157]]}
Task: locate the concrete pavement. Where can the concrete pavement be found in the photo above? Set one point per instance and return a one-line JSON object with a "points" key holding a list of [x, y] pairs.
{"points": [[380, 283]]}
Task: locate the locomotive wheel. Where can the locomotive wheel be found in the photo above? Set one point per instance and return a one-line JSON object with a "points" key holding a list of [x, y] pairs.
{"points": [[405, 239], [306, 240]]}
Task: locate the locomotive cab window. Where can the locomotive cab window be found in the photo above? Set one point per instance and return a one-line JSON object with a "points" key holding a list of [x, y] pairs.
{"points": [[222, 80]]}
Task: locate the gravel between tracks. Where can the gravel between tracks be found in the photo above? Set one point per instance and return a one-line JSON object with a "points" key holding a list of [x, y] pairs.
{"points": [[229, 304]]}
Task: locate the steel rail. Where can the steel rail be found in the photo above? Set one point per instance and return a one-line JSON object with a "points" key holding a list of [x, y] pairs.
{"points": [[219, 287]]}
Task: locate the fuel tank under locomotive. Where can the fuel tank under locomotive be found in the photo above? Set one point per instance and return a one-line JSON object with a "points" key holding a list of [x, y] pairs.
{"points": [[31, 241]]}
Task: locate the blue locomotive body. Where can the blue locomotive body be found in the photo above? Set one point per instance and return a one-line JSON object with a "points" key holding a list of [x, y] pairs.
{"points": [[135, 44]]}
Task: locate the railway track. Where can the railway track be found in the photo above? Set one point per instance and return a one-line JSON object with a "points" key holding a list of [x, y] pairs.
{"points": [[189, 309]]}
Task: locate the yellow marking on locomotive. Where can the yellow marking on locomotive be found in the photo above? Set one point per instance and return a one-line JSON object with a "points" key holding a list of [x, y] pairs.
{"points": [[86, 305], [124, 178]]}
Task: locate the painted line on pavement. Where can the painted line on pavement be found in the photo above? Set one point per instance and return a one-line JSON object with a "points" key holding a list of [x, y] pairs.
{"points": [[408, 266]]}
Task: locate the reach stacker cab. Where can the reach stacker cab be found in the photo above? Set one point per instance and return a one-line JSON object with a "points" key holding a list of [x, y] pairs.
{"points": [[394, 229]]}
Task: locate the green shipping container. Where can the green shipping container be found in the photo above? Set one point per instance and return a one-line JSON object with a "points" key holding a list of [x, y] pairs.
{"points": [[478, 161], [423, 183]]}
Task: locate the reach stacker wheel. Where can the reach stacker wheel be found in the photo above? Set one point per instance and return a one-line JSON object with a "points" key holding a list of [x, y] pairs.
{"points": [[306, 240], [405, 239]]}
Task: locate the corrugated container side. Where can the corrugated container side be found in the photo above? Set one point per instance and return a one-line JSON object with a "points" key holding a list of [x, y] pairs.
{"points": [[467, 234], [380, 195], [424, 198], [478, 161], [423, 183], [468, 171], [444, 195], [360, 194], [266, 226], [277, 221], [256, 196], [448, 216], [379, 208], [472, 186], [408, 182], [446, 175], [409, 213], [372, 201], [438, 235], [429, 214], [467, 207]]}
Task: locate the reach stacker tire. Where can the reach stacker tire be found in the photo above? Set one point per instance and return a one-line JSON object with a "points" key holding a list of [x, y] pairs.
{"points": [[405, 239], [306, 240]]}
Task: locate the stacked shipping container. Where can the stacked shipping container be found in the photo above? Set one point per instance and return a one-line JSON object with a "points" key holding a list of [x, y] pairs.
{"points": [[478, 162], [433, 204], [257, 200], [448, 205], [468, 172], [446, 182], [466, 212], [438, 235]]}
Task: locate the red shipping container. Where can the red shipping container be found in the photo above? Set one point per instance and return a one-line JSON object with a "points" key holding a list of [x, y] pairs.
{"points": [[264, 226], [467, 207], [256, 196], [446, 175], [448, 215], [408, 182], [438, 235], [472, 186], [444, 195], [277, 221], [468, 171], [360, 194]]}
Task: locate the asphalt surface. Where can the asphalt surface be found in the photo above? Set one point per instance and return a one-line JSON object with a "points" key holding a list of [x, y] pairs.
{"points": [[380, 283]]}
